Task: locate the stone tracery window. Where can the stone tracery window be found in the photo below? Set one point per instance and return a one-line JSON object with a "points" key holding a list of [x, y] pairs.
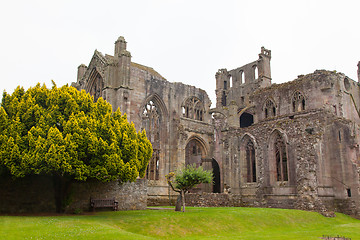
{"points": [[280, 159], [193, 108], [96, 85], [250, 161], [151, 120], [269, 108], [298, 102], [152, 172]]}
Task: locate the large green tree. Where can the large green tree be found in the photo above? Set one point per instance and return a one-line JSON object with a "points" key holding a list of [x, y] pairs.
{"points": [[63, 133], [186, 178]]}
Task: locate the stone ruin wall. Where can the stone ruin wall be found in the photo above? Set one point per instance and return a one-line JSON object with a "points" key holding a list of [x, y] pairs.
{"points": [[322, 89], [130, 86], [330, 97], [315, 165], [35, 194]]}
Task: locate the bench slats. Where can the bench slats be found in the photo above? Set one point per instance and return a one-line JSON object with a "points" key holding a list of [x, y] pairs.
{"points": [[96, 203]]}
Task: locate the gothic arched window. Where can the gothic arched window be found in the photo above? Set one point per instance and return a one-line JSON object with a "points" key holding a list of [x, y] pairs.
{"points": [[96, 85], [280, 159], [250, 162], [151, 120], [269, 108], [298, 102], [193, 108]]}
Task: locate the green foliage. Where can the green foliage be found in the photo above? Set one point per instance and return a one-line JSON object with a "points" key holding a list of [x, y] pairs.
{"points": [[63, 132], [190, 176], [196, 223]]}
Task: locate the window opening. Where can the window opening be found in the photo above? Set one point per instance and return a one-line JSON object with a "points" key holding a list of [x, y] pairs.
{"points": [[246, 120], [281, 159], [348, 191], [151, 124], [339, 136], [194, 109], [223, 100], [256, 72], [250, 162], [298, 102], [270, 109]]}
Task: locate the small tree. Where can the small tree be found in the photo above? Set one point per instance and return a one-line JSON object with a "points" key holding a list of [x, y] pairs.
{"points": [[185, 179]]}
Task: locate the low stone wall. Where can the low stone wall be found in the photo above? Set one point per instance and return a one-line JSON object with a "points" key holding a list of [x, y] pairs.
{"points": [[208, 200], [162, 200], [35, 194], [271, 201], [131, 196]]}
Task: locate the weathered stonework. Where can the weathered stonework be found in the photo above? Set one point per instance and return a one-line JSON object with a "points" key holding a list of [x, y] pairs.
{"points": [[35, 194], [290, 145], [176, 116]]}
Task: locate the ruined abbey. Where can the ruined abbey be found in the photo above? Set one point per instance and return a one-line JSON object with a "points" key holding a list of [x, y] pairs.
{"points": [[290, 145]]}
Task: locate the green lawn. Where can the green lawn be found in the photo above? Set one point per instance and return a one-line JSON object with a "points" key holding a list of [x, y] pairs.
{"points": [[196, 223]]}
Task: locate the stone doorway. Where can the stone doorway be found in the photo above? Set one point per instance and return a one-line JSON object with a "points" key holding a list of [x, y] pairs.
{"points": [[195, 153], [216, 179]]}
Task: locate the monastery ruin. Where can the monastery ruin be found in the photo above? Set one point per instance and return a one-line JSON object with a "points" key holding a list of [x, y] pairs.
{"points": [[290, 145]]}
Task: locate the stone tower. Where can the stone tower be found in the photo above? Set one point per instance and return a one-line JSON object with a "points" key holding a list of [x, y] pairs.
{"points": [[237, 84]]}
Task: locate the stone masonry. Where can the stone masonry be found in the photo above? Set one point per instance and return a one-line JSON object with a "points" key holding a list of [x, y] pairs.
{"points": [[290, 145]]}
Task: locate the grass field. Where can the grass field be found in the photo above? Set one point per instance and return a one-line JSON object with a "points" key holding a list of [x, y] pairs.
{"points": [[196, 223]]}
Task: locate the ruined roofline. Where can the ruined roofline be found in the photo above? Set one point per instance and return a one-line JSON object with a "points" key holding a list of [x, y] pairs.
{"points": [[148, 69], [264, 53], [301, 79], [181, 83]]}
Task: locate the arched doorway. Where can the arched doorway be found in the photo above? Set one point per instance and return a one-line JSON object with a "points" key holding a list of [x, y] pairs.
{"points": [[216, 179], [195, 153]]}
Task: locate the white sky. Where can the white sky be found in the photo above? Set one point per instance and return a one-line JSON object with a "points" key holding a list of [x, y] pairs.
{"points": [[185, 41]]}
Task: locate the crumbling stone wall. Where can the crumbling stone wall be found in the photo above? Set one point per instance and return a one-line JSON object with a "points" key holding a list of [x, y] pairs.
{"points": [[311, 124], [131, 196], [317, 115], [34, 194], [137, 89]]}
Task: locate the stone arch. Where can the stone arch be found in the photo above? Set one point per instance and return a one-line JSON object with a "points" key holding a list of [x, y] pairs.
{"points": [[200, 144], [153, 119], [216, 174], [298, 101], [196, 152], [242, 76], [269, 108], [248, 159], [278, 160], [95, 84], [193, 108], [158, 101], [256, 72]]}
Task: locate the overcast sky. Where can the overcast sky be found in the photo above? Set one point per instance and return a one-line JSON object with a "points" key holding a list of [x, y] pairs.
{"points": [[185, 41]]}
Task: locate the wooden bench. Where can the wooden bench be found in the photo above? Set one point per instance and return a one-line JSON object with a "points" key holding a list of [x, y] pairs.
{"points": [[102, 203]]}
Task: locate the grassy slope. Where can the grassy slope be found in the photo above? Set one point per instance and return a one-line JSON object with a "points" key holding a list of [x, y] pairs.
{"points": [[196, 223]]}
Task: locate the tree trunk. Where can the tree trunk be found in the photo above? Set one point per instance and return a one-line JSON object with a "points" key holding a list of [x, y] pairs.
{"points": [[61, 190], [183, 199], [178, 203]]}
